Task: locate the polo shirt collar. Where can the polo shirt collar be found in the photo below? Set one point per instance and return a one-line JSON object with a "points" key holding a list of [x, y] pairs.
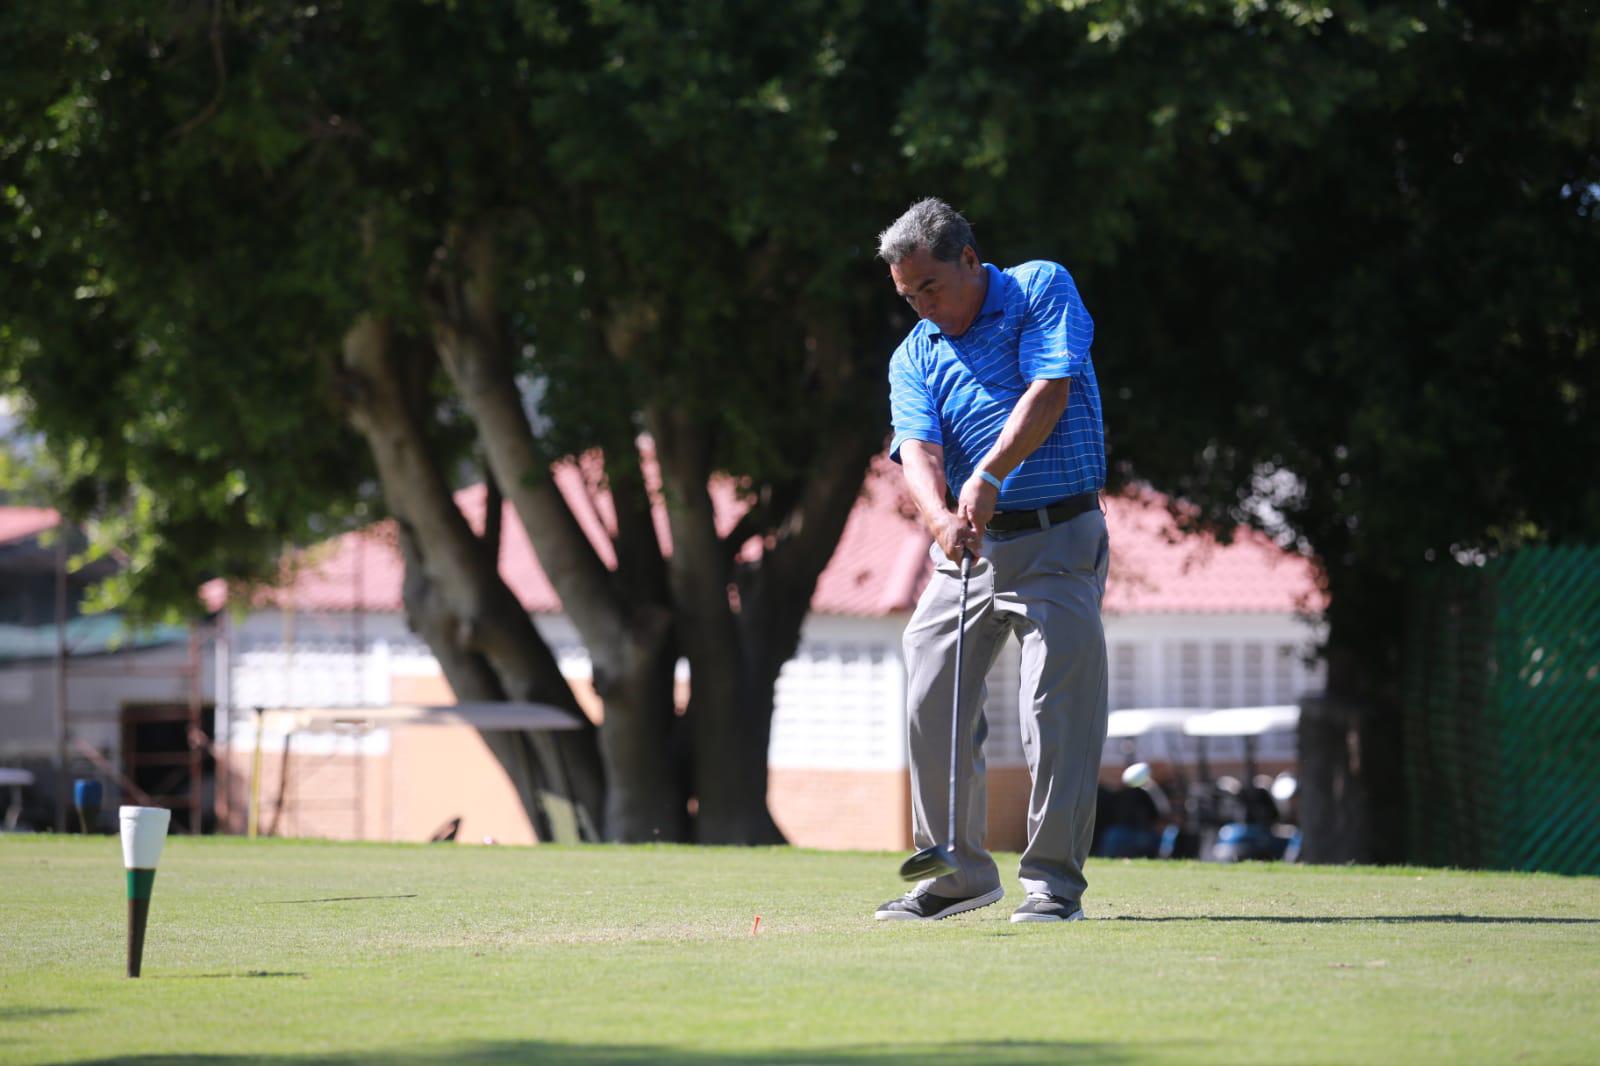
{"points": [[994, 300]]}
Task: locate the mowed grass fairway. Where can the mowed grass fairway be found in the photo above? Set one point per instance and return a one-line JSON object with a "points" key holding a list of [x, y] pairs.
{"points": [[296, 952]]}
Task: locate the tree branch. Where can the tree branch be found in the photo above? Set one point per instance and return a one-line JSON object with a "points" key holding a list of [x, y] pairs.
{"points": [[416, 491], [467, 590], [471, 342], [698, 570], [640, 565], [494, 513], [221, 67], [779, 591], [752, 523]]}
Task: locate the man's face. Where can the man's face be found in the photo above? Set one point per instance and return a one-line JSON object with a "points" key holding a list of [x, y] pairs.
{"points": [[947, 294]]}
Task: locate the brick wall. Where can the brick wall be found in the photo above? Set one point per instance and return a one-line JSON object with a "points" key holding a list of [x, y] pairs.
{"points": [[871, 810], [864, 809]]}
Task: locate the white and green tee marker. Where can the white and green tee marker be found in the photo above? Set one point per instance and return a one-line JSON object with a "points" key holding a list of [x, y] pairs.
{"points": [[144, 831]]}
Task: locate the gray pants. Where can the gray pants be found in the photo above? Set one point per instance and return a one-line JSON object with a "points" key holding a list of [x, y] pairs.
{"points": [[1045, 586]]}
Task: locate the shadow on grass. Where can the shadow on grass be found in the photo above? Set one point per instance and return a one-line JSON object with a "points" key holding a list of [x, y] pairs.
{"points": [[1378, 919], [28, 1014], [337, 899], [592, 1055], [222, 976]]}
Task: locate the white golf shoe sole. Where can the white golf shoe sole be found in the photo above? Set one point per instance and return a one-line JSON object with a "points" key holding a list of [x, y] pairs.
{"points": [[1075, 916]]}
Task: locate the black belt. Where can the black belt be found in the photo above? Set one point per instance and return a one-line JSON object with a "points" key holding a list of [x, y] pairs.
{"points": [[1067, 509]]}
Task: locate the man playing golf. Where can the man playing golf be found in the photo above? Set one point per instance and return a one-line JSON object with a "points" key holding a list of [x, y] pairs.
{"points": [[995, 406]]}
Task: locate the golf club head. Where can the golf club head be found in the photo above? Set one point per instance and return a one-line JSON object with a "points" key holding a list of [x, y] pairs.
{"points": [[929, 862]]}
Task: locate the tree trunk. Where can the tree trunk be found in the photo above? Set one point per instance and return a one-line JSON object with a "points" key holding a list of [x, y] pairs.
{"points": [[738, 634], [455, 597], [1332, 795], [1352, 785], [728, 810], [644, 754], [471, 678], [628, 637], [644, 738]]}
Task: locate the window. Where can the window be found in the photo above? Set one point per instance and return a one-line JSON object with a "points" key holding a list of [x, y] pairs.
{"points": [[1189, 681], [1254, 687], [1222, 675], [1125, 675]]}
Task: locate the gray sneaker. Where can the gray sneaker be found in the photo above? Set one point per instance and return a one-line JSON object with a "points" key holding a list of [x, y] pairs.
{"points": [[918, 906], [1042, 908]]}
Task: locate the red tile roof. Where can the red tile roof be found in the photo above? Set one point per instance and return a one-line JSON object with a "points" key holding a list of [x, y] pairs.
{"points": [[1157, 570], [879, 567], [19, 522]]}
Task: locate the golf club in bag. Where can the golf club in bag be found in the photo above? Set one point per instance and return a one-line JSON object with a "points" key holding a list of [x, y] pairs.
{"points": [[941, 858]]}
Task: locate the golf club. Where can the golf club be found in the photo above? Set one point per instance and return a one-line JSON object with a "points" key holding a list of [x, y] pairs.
{"points": [[941, 858]]}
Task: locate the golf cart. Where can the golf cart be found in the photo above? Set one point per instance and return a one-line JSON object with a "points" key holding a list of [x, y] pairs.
{"points": [[1246, 819], [1137, 821]]}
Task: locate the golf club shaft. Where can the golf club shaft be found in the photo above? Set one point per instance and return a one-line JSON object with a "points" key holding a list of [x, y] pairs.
{"points": [[955, 704]]}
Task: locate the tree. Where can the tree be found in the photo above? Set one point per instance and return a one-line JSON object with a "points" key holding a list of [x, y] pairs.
{"points": [[246, 232], [1342, 266]]}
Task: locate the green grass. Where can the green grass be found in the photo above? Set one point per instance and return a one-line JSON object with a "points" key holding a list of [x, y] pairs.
{"points": [[296, 952]]}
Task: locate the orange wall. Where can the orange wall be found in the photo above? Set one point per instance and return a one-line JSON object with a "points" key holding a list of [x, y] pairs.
{"points": [[338, 797], [430, 775]]}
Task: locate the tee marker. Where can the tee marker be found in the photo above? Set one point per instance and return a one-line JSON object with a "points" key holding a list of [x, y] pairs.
{"points": [[144, 831]]}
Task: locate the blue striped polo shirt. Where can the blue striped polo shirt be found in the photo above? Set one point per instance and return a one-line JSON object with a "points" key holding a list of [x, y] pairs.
{"points": [[957, 392]]}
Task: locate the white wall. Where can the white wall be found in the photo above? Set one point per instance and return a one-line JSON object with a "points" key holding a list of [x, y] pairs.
{"points": [[1211, 660], [839, 703]]}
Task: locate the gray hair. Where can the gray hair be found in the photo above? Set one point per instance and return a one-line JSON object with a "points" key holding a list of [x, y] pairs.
{"points": [[931, 224]]}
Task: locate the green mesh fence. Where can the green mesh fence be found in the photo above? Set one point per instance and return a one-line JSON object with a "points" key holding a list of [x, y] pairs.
{"points": [[1502, 713]]}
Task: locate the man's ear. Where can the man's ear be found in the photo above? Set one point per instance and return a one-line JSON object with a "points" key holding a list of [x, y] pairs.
{"points": [[970, 260]]}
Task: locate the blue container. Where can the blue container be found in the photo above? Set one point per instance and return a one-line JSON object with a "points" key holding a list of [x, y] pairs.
{"points": [[87, 795]]}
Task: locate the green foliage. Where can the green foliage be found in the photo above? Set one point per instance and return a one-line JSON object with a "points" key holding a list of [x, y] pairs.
{"points": [[173, 381], [200, 208]]}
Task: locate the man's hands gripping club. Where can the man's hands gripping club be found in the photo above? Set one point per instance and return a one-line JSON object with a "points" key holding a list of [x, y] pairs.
{"points": [[961, 531], [924, 470], [958, 531]]}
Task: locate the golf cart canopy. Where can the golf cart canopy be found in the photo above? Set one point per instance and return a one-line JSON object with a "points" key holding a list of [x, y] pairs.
{"points": [[489, 716], [1244, 721], [1136, 722]]}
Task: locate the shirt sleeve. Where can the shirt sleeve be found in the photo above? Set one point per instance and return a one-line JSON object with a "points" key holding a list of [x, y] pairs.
{"points": [[911, 406], [1056, 329]]}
